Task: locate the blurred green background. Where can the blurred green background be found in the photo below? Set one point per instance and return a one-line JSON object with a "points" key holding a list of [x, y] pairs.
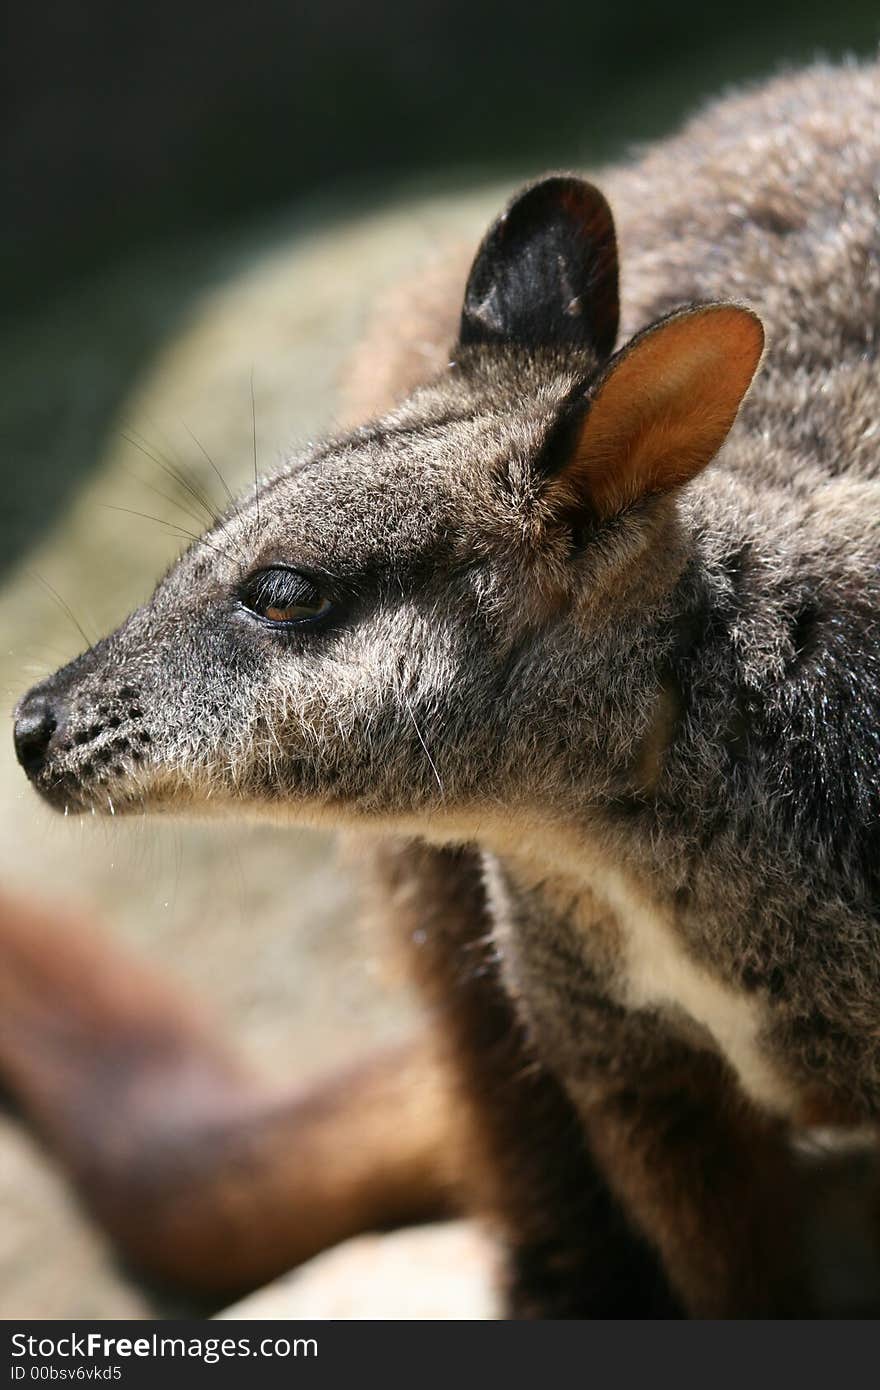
{"points": [[199, 193]]}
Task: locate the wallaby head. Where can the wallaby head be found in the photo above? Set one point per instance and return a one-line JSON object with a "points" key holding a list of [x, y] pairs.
{"points": [[448, 610]]}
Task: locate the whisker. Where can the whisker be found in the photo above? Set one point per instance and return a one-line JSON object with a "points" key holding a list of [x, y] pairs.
{"points": [[217, 520], [433, 765], [172, 525], [166, 497], [220, 525], [65, 608], [182, 481], [183, 473], [39, 669], [254, 420], [148, 516], [198, 443]]}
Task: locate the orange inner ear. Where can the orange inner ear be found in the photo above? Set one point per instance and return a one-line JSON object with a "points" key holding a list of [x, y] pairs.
{"points": [[665, 407]]}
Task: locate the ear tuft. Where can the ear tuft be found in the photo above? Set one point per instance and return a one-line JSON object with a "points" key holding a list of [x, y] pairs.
{"points": [[546, 272], [662, 408]]}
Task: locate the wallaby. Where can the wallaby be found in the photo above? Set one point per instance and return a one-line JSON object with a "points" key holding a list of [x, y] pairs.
{"points": [[606, 719]]}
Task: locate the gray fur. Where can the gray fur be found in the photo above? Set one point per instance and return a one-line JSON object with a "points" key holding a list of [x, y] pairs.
{"points": [[494, 676]]}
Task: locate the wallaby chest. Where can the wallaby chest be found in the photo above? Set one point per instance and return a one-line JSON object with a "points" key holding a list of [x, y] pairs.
{"points": [[598, 967]]}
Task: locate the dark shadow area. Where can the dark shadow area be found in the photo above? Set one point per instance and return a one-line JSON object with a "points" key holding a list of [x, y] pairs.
{"points": [[144, 141]]}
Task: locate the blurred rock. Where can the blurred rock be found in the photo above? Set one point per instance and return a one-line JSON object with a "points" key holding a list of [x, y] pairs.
{"points": [[442, 1271]]}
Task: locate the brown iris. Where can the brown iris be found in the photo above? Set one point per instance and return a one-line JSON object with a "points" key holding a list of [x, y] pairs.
{"points": [[284, 597]]}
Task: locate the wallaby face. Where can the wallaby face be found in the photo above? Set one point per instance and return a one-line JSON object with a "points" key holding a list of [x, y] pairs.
{"points": [[386, 629]]}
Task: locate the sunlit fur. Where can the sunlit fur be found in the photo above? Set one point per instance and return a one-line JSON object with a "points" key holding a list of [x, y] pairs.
{"points": [[491, 674]]}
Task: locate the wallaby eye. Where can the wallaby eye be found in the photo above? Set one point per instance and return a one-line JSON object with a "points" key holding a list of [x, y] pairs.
{"points": [[283, 597]]}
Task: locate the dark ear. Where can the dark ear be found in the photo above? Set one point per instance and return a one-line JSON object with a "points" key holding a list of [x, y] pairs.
{"points": [[546, 272], [659, 412]]}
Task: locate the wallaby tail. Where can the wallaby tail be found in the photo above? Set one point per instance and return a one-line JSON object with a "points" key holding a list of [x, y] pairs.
{"points": [[204, 1178]]}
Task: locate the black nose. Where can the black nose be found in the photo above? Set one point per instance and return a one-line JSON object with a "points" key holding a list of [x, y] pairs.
{"points": [[35, 723]]}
